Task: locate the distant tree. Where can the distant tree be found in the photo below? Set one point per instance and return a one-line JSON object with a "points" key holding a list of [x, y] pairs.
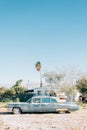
{"points": [[53, 78], [81, 85], [10, 91], [18, 87], [3, 90], [62, 82], [70, 91], [72, 75]]}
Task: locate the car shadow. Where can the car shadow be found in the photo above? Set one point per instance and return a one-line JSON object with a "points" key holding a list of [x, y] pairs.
{"points": [[5, 113], [10, 113], [44, 113]]}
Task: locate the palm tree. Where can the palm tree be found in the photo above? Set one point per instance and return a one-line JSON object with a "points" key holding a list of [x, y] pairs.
{"points": [[38, 66]]}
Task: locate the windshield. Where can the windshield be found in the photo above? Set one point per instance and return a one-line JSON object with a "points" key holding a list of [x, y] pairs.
{"points": [[29, 100]]}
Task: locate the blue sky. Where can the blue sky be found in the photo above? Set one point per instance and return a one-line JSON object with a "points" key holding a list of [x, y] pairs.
{"points": [[53, 32]]}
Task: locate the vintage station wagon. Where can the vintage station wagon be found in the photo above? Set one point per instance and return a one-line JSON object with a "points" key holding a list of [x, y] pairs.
{"points": [[42, 104]]}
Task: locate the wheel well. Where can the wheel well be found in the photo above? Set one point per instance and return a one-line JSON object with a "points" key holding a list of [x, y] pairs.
{"points": [[18, 108]]}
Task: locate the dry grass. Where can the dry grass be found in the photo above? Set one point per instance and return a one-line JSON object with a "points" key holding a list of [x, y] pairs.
{"points": [[1, 125]]}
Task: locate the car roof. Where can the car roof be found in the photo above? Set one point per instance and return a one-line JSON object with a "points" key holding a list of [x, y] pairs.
{"points": [[43, 97], [39, 96]]}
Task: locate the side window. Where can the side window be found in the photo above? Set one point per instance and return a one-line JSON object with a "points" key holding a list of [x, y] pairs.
{"points": [[45, 100], [53, 100], [36, 100]]}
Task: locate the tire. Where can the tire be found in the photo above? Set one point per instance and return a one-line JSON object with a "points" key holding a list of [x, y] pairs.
{"points": [[67, 112], [16, 111]]}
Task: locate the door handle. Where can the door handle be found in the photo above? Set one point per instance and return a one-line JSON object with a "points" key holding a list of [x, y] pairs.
{"points": [[36, 104]]}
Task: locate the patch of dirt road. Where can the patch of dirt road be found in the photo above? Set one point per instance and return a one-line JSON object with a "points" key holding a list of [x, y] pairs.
{"points": [[46, 121]]}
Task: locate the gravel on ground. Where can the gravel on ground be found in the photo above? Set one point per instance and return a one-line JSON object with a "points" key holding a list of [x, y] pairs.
{"points": [[46, 121]]}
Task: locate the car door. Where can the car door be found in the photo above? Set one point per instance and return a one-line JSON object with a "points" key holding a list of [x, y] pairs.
{"points": [[45, 104], [35, 106], [53, 104], [26, 107]]}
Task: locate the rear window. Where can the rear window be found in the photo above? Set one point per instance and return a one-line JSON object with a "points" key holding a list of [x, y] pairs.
{"points": [[53, 100]]}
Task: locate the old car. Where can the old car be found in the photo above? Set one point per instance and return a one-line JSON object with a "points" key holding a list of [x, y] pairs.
{"points": [[42, 104]]}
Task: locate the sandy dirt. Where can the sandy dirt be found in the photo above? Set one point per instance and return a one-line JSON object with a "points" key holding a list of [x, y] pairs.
{"points": [[45, 121]]}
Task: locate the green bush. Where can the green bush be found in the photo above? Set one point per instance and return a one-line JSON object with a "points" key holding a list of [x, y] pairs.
{"points": [[6, 100], [17, 100], [81, 104]]}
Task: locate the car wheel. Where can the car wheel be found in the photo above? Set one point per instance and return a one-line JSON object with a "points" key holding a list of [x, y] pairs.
{"points": [[67, 111], [63, 110], [16, 111]]}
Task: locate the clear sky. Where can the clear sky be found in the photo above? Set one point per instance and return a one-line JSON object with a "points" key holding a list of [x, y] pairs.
{"points": [[53, 32]]}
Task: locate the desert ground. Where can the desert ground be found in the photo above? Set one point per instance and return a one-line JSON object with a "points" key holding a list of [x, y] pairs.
{"points": [[46, 121]]}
